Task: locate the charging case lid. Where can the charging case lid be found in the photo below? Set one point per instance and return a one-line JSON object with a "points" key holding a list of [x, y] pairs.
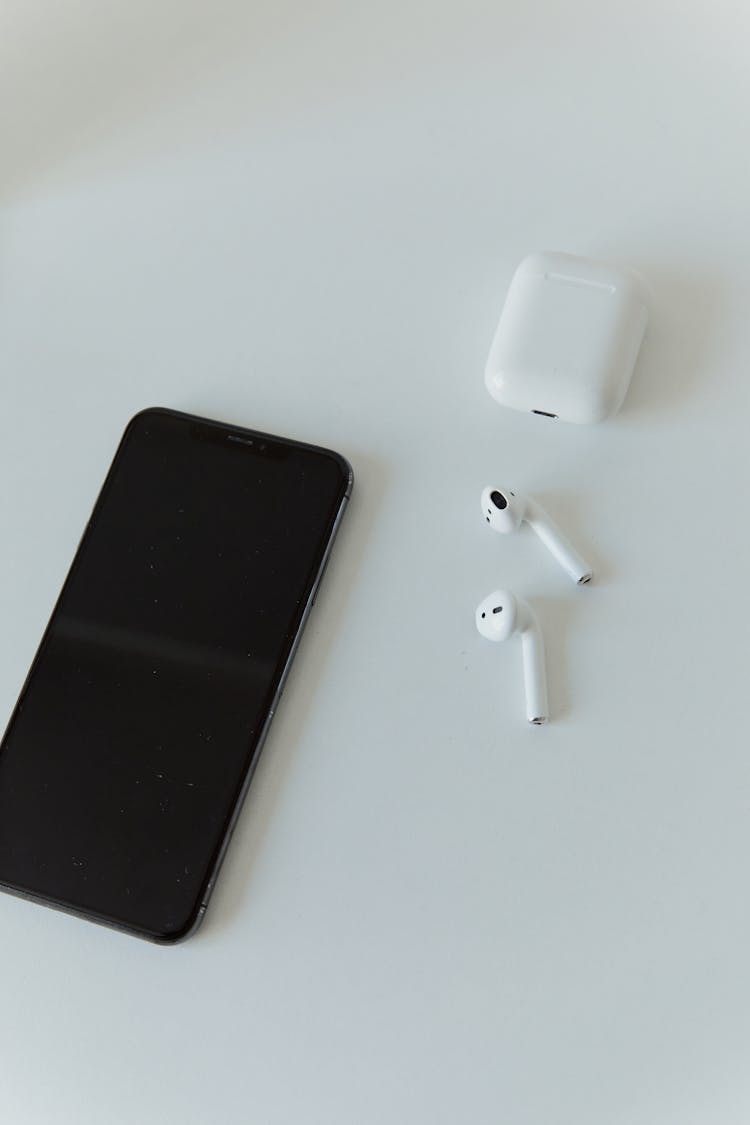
{"points": [[568, 338]]}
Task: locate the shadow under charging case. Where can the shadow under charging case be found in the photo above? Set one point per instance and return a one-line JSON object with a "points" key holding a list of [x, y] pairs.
{"points": [[568, 338]]}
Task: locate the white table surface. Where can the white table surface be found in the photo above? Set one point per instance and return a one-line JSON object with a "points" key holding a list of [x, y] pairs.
{"points": [[304, 219]]}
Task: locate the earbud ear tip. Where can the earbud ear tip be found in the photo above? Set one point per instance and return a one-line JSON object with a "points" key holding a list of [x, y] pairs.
{"points": [[501, 509], [497, 615]]}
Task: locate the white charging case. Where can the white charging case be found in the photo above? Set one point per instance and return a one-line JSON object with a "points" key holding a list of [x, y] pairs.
{"points": [[568, 338]]}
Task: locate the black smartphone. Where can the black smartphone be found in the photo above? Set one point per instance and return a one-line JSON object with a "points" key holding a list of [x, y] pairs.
{"points": [[130, 750]]}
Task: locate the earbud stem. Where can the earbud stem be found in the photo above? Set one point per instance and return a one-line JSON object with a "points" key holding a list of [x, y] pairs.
{"points": [[569, 559], [534, 667]]}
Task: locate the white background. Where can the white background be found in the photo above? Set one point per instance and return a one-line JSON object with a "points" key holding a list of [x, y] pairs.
{"points": [[303, 218]]}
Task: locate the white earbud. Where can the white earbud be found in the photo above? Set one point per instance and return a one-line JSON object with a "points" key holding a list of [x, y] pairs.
{"points": [[504, 511], [499, 617]]}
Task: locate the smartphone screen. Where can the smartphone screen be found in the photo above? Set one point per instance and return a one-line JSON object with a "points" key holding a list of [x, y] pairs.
{"points": [[128, 754]]}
